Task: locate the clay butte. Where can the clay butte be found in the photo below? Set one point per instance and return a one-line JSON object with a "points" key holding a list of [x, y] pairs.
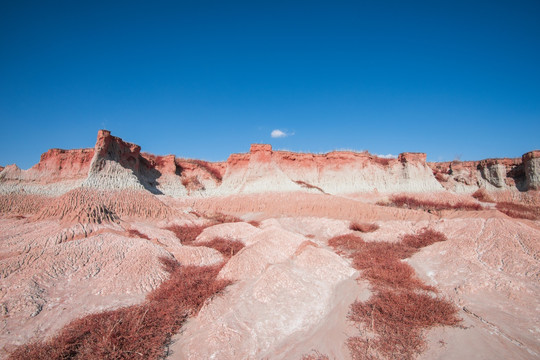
{"points": [[116, 164]]}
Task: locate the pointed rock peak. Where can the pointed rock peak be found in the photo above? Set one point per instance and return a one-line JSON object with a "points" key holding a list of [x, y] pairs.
{"points": [[105, 140], [110, 147]]}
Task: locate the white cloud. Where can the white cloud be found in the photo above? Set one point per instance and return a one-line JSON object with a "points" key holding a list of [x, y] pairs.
{"points": [[280, 134], [387, 156]]}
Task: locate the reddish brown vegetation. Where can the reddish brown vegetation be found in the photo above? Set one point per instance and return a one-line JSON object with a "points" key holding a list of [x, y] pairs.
{"points": [[398, 319], [315, 355], [364, 227], [482, 195], [225, 246], [137, 234], [139, 331], [390, 273], [401, 307], [519, 211], [405, 201], [186, 233], [223, 218], [424, 237], [346, 242]]}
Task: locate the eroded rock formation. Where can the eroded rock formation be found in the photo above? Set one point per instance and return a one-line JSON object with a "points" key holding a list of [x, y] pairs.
{"points": [[114, 164]]}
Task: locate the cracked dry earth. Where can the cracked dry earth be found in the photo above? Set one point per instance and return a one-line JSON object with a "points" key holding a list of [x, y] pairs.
{"points": [[291, 292]]}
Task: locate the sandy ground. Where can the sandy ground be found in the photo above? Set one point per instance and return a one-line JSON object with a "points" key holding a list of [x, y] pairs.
{"points": [[291, 292]]}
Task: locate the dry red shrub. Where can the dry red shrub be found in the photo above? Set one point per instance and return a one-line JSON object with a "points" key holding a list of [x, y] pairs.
{"points": [[315, 355], [400, 308], [482, 195], [223, 218], [519, 211], [137, 234], [394, 274], [227, 247], [377, 252], [398, 319], [410, 202], [364, 227], [139, 331], [346, 242], [424, 237], [187, 288], [186, 233]]}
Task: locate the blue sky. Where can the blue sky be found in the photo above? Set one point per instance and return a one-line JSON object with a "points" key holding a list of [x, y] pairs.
{"points": [[454, 79]]}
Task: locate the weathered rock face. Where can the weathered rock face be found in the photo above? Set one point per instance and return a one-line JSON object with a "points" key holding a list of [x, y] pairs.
{"points": [[65, 163], [57, 172], [412, 157], [116, 164], [337, 172], [467, 176], [531, 165]]}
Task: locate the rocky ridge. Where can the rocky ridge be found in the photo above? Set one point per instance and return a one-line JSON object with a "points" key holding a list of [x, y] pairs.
{"points": [[114, 164]]}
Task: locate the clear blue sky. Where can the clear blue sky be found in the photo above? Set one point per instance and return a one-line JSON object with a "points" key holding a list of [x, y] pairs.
{"points": [[205, 79]]}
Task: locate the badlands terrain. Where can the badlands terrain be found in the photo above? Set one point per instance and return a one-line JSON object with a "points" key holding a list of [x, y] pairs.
{"points": [[113, 253]]}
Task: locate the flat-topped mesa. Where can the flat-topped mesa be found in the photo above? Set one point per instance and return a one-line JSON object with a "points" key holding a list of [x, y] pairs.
{"points": [[412, 157], [531, 166], [114, 164]]}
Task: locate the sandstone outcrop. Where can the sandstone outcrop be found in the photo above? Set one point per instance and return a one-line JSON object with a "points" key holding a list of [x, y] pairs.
{"points": [[531, 165], [57, 172], [337, 172], [492, 174], [114, 164]]}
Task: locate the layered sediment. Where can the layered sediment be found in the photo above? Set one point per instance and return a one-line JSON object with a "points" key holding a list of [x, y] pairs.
{"points": [[114, 164]]}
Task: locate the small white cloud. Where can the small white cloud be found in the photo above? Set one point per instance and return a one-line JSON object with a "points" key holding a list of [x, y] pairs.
{"points": [[387, 156], [280, 134]]}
